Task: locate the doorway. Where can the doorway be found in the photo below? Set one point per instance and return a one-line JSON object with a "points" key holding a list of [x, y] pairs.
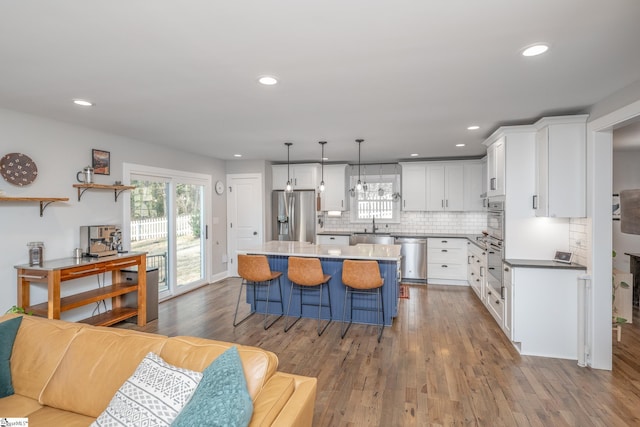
{"points": [[245, 214], [166, 216]]}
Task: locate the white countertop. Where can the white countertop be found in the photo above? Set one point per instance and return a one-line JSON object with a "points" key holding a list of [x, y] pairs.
{"points": [[303, 249]]}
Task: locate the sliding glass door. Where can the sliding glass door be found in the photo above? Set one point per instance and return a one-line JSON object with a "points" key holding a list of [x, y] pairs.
{"points": [[166, 219]]}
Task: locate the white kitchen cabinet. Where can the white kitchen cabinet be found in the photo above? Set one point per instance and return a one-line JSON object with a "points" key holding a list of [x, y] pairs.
{"points": [[334, 196], [496, 168], [495, 305], [447, 261], [332, 239], [302, 176], [445, 187], [545, 311], [414, 179], [561, 167], [507, 282], [476, 269], [473, 187]]}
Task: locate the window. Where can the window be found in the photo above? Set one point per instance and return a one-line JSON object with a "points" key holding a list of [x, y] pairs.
{"points": [[380, 199]]}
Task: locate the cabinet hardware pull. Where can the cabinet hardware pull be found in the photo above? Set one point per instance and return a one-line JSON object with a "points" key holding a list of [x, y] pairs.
{"points": [[444, 241], [493, 183], [444, 250], [445, 266], [506, 269], [28, 276], [120, 263], [489, 293], [85, 271], [446, 203], [498, 302], [332, 238], [535, 201]]}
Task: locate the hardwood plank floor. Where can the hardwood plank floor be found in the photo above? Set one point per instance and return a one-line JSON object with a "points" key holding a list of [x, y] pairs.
{"points": [[443, 362]]}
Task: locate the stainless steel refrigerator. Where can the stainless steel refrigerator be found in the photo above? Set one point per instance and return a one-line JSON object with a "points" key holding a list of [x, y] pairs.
{"points": [[294, 215]]}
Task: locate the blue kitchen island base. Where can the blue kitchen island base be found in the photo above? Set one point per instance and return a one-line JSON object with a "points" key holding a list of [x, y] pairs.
{"points": [[333, 267]]}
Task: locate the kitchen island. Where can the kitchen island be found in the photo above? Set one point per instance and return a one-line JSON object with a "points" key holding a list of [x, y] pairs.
{"points": [[331, 258]]}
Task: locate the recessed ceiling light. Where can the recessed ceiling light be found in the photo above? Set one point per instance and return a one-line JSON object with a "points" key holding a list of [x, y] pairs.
{"points": [[237, 155], [459, 145], [474, 127], [535, 49], [268, 80], [83, 102], [415, 155]]}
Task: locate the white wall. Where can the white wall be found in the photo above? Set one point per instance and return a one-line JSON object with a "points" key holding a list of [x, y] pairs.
{"points": [[59, 151], [626, 176]]}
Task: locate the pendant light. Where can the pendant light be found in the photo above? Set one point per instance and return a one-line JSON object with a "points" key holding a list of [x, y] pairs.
{"points": [[322, 143], [359, 184], [289, 187]]}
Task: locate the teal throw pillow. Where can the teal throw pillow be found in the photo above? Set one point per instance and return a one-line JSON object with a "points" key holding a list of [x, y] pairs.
{"points": [[8, 332], [222, 398]]}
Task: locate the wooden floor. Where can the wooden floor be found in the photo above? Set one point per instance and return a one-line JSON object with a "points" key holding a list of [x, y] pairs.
{"points": [[443, 362]]}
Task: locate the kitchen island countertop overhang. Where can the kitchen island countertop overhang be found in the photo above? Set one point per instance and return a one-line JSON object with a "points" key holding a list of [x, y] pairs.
{"points": [[331, 258]]}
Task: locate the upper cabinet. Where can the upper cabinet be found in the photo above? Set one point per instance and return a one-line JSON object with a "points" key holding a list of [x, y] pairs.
{"points": [[414, 181], [334, 196], [496, 168], [445, 187], [561, 167], [302, 176], [442, 186]]}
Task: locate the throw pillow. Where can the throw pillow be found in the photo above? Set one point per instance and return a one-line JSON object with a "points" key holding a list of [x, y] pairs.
{"points": [[8, 332], [152, 396], [222, 398]]}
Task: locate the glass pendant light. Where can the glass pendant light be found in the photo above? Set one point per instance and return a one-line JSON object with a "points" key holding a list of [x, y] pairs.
{"points": [[289, 187], [322, 143], [359, 184]]}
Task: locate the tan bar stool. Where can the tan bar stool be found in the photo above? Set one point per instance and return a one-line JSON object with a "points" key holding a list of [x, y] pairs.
{"points": [[362, 277], [255, 271], [306, 273]]}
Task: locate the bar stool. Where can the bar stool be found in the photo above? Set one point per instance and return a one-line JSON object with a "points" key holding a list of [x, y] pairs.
{"points": [[306, 273], [255, 270], [362, 277]]}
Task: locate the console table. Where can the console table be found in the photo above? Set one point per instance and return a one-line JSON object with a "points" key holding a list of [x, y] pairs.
{"points": [[54, 272]]}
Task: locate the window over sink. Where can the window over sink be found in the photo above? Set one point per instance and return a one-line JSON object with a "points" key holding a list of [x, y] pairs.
{"points": [[379, 198]]}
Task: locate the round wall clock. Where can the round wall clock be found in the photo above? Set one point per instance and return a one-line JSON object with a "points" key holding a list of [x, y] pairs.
{"points": [[18, 169], [219, 187]]}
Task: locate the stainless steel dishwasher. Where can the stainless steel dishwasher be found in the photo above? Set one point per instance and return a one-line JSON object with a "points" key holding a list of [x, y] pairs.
{"points": [[414, 258]]}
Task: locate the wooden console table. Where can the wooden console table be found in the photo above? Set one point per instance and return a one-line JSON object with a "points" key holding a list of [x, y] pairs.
{"points": [[54, 272]]}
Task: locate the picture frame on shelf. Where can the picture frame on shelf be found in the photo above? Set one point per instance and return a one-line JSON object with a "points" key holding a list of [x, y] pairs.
{"points": [[101, 162]]}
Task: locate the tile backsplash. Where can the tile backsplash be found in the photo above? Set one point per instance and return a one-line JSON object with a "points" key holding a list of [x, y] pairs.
{"points": [[580, 240], [415, 222]]}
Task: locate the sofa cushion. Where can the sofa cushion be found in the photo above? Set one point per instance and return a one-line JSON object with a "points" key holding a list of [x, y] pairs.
{"points": [[221, 398], [272, 398], [152, 396], [97, 362], [198, 353], [48, 416], [37, 351], [16, 406], [8, 332]]}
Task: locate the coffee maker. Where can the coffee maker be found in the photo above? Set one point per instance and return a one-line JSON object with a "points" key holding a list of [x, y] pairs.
{"points": [[100, 240]]}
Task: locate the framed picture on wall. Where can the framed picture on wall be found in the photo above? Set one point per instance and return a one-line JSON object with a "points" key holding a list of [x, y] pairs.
{"points": [[101, 162]]}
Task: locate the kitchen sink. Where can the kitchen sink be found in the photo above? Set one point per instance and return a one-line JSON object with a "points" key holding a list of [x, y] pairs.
{"points": [[371, 238]]}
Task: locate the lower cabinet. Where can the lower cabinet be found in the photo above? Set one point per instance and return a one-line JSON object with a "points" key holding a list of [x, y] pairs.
{"points": [[447, 261], [332, 239], [476, 269], [539, 312]]}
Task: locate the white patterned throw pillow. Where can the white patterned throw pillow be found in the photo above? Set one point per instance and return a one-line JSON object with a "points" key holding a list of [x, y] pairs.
{"points": [[152, 396]]}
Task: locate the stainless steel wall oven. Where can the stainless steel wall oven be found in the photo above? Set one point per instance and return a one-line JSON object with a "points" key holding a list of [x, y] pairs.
{"points": [[495, 245]]}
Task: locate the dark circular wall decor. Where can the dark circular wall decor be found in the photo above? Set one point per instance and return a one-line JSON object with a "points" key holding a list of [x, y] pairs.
{"points": [[18, 169]]}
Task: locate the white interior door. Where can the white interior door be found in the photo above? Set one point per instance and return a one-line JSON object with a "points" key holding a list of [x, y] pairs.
{"points": [[245, 213]]}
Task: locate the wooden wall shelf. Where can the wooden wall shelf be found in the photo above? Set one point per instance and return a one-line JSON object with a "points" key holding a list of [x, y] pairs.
{"points": [[117, 189], [44, 201]]}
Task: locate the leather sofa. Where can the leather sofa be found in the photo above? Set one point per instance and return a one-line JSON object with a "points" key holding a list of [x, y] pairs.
{"points": [[65, 374]]}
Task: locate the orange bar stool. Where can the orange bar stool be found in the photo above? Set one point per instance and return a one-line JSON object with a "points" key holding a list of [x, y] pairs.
{"points": [[362, 277], [306, 274], [255, 271]]}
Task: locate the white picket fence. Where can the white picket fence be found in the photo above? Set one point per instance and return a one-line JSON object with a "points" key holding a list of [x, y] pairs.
{"points": [[156, 228]]}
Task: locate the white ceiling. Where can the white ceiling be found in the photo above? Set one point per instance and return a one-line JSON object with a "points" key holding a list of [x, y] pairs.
{"points": [[407, 76]]}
